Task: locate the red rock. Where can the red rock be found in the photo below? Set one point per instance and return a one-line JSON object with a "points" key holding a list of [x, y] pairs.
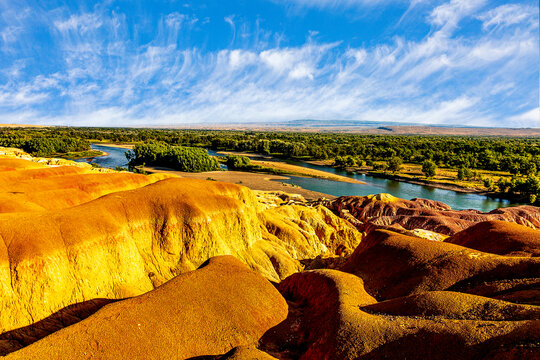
{"points": [[386, 211], [208, 311], [499, 237]]}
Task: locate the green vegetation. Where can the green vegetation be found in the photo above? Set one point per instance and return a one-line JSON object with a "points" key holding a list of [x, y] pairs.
{"points": [[346, 161], [237, 162], [39, 144], [394, 164], [243, 163], [78, 154], [512, 164], [466, 174], [429, 168], [180, 158]]}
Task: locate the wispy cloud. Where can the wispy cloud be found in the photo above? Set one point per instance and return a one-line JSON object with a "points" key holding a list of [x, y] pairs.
{"points": [[80, 23], [103, 76], [507, 15], [529, 118]]}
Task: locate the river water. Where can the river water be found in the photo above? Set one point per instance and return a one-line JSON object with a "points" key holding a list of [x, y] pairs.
{"points": [[374, 185], [116, 157]]}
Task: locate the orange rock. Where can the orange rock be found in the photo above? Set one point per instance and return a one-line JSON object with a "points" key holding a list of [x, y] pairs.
{"points": [[120, 245], [11, 164], [311, 231], [128, 242], [337, 319], [386, 211], [394, 265], [454, 305], [208, 311], [499, 237], [245, 353]]}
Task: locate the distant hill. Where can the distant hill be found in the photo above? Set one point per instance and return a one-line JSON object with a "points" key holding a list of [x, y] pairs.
{"points": [[366, 127], [22, 125], [344, 126]]}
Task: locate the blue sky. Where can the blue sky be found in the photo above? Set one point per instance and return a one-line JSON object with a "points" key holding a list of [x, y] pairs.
{"points": [[114, 63]]}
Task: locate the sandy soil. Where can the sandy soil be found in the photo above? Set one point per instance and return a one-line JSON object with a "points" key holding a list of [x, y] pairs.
{"points": [[251, 155], [292, 169], [103, 153], [121, 146], [321, 162], [251, 180], [300, 170]]}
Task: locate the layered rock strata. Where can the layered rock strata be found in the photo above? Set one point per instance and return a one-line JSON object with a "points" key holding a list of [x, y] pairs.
{"points": [[386, 211]]}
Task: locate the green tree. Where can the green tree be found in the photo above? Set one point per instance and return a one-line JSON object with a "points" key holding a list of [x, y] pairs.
{"points": [[461, 173], [394, 164], [237, 162], [530, 169], [490, 184], [181, 158], [429, 168]]}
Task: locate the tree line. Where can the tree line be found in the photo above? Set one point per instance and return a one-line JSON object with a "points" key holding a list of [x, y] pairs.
{"points": [[518, 156], [188, 159], [43, 145]]}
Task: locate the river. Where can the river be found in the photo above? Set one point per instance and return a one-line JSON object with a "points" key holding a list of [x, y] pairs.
{"points": [[374, 185], [116, 157]]}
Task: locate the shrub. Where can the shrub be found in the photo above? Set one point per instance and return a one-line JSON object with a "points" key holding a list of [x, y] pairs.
{"points": [[429, 168], [394, 164]]}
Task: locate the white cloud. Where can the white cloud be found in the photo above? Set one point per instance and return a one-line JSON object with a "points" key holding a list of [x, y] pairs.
{"points": [[530, 118], [443, 78], [175, 19], [509, 14], [492, 51], [280, 60], [359, 55], [241, 58], [10, 34], [297, 62], [301, 71], [449, 14], [82, 23]]}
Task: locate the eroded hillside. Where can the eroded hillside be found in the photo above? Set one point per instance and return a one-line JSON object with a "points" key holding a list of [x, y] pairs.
{"points": [[119, 265], [125, 234]]}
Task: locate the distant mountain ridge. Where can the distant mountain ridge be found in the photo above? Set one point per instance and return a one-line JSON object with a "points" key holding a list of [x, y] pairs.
{"points": [[364, 127]]}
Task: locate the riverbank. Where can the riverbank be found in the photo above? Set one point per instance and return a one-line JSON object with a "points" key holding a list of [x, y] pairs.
{"points": [[254, 181], [436, 184], [119, 146], [290, 169], [90, 154], [409, 174], [445, 179], [316, 187]]}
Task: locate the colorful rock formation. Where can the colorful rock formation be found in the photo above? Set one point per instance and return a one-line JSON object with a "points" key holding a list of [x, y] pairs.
{"points": [[386, 211], [65, 242], [118, 265], [207, 311], [506, 238]]}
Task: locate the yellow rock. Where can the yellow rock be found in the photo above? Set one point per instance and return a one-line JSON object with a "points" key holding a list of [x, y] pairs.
{"points": [[69, 235], [311, 231]]}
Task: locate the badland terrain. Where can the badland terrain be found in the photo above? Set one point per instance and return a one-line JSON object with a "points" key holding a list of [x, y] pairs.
{"points": [[101, 264]]}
